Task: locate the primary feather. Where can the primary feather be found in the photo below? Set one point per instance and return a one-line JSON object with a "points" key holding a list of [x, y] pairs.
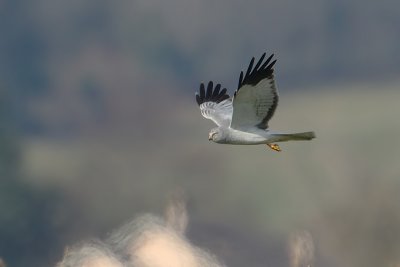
{"points": [[256, 98], [215, 104]]}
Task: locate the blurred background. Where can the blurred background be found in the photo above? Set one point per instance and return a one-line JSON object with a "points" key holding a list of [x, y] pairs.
{"points": [[98, 123]]}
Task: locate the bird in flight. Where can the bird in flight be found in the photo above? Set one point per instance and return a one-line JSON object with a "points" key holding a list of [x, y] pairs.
{"points": [[243, 119]]}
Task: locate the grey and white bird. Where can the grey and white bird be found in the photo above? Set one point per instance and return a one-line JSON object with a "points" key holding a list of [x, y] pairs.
{"points": [[243, 119]]}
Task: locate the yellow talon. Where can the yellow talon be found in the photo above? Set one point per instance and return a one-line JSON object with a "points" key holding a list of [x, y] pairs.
{"points": [[274, 147]]}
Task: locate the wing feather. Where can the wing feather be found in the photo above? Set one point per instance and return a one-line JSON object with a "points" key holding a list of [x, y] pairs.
{"points": [[215, 104], [256, 98]]}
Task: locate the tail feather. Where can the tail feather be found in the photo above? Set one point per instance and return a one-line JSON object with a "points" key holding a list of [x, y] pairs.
{"points": [[293, 136]]}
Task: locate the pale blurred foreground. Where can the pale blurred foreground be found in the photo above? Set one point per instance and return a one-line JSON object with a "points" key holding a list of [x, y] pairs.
{"points": [[152, 241]]}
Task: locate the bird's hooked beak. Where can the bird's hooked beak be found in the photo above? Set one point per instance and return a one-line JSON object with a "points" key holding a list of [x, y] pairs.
{"points": [[210, 136]]}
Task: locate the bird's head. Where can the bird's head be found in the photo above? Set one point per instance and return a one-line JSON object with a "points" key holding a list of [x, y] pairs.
{"points": [[216, 135]]}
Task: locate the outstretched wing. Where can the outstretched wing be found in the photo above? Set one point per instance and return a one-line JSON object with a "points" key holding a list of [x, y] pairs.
{"points": [[256, 98], [215, 104]]}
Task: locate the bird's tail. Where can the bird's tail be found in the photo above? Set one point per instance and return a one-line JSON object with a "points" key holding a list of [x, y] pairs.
{"points": [[282, 137]]}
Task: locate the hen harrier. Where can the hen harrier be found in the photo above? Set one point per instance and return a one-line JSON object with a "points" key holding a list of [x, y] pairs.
{"points": [[243, 119]]}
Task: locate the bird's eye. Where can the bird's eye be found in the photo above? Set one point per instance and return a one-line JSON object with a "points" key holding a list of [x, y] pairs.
{"points": [[211, 135]]}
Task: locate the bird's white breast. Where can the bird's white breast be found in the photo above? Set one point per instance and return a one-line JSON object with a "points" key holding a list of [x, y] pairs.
{"points": [[252, 137]]}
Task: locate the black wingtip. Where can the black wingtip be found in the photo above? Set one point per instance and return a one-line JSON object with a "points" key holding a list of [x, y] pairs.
{"points": [[209, 88], [240, 79], [216, 90], [259, 62], [256, 74], [272, 64], [212, 94], [202, 90], [250, 66], [198, 99], [266, 63]]}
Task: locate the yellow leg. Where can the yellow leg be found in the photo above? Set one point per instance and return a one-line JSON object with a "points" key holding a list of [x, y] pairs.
{"points": [[274, 147]]}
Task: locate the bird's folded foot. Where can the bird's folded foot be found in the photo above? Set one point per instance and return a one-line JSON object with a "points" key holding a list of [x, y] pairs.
{"points": [[274, 147]]}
